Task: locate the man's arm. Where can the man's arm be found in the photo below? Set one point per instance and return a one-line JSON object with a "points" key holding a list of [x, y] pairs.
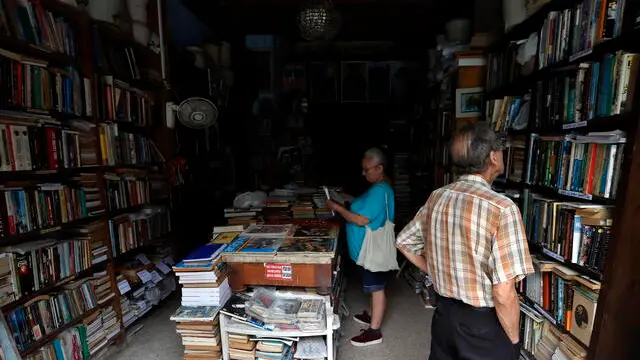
{"points": [[410, 242], [507, 306], [511, 261]]}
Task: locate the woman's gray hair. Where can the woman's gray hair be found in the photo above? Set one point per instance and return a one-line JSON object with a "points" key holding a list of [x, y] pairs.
{"points": [[377, 155]]}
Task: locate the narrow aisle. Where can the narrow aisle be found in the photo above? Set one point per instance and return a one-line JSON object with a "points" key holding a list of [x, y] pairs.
{"points": [[157, 340], [406, 330], [406, 327]]}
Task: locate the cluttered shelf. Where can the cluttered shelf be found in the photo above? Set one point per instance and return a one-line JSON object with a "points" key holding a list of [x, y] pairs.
{"points": [[583, 270], [38, 233], [530, 24], [568, 195], [49, 337], [551, 320], [519, 86], [49, 288]]}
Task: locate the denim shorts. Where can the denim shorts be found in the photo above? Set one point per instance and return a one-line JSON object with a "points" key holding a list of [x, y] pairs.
{"points": [[373, 281]]}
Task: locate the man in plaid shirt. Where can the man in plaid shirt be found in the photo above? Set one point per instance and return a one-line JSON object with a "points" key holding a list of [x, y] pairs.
{"points": [[471, 241]]}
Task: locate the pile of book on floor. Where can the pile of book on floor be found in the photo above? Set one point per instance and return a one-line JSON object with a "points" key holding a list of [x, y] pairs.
{"points": [[101, 327], [199, 328], [102, 287]]}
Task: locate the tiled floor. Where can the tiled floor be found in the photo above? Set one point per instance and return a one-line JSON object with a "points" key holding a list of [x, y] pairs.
{"points": [[406, 330]]}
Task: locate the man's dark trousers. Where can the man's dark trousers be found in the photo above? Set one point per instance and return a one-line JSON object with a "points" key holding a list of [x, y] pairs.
{"points": [[463, 332]]}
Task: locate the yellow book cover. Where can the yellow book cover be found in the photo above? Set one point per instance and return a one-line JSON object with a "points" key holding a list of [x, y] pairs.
{"points": [[224, 238]]}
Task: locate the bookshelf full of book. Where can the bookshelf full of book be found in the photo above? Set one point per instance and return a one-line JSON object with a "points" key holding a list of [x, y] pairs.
{"points": [[81, 181], [569, 118]]}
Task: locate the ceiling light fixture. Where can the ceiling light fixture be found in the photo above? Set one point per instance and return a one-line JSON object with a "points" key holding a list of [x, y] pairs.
{"points": [[318, 20]]}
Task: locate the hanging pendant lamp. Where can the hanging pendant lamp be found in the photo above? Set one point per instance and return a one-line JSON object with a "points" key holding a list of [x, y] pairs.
{"points": [[318, 20]]}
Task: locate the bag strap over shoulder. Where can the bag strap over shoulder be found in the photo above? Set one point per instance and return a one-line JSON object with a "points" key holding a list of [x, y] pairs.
{"points": [[386, 205]]}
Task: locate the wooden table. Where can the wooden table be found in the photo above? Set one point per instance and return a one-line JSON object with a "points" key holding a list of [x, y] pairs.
{"points": [[295, 270]]}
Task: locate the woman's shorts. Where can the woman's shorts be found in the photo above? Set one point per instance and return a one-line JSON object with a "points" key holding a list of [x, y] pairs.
{"points": [[374, 281]]}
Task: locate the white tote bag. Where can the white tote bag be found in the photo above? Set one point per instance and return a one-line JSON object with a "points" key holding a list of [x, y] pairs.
{"points": [[378, 252]]}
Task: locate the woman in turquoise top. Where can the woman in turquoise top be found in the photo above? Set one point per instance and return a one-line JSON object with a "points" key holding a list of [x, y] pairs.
{"points": [[369, 209]]}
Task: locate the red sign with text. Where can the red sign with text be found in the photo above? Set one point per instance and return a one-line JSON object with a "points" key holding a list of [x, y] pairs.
{"points": [[278, 271]]}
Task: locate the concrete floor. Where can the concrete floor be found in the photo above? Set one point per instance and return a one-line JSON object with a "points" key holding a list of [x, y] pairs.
{"points": [[406, 330]]}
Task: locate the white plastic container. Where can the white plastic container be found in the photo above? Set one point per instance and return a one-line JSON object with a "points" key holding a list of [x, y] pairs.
{"points": [[513, 12], [103, 10]]}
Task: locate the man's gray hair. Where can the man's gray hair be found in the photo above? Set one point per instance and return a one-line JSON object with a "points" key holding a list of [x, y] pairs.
{"points": [[377, 155], [470, 148]]}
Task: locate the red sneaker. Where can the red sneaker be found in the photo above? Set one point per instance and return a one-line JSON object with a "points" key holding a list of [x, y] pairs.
{"points": [[366, 338], [364, 318]]}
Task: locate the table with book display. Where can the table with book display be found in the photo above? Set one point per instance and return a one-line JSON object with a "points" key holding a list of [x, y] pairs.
{"points": [[284, 255], [268, 285]]}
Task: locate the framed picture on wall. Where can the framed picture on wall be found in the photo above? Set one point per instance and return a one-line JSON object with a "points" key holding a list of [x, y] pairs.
{"points": [[469, 102], [355, 81], [379, 81], [324, 81]]}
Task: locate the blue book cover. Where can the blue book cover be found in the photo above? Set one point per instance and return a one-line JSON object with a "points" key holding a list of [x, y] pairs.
{"points": [[262, 245], [205, 253], [236, 244]]}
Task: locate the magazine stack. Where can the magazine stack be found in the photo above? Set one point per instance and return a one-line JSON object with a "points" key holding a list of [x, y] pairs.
{"points": [[199, 329]]}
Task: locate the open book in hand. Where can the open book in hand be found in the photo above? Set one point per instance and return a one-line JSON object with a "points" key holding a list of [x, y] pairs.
{"points": [[333, 195]]}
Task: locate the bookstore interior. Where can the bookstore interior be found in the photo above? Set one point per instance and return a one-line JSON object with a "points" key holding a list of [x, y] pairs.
{"points": [[167, 163]]}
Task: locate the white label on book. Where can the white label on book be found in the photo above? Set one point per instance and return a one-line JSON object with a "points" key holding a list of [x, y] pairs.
{"points": [[574, 125], [124, 287], [155, 277], [575, 194], [169, 260], [144, 276], [143, 259], [163, 267]]}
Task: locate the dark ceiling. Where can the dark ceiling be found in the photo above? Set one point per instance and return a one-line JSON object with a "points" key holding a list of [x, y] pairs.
{"points": [[409, 22]]}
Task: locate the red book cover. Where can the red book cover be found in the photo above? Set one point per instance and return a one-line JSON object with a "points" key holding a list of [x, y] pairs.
{"points": [[52, 148]]}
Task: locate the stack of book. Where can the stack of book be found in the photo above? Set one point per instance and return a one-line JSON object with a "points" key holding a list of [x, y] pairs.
{"points": [[102, 287], [101, 327], [274, 349], [303, 210], [199, 329], [236, 216], [241, 348], [202, 276], [128, 314], [110, 323], [9, 290]]}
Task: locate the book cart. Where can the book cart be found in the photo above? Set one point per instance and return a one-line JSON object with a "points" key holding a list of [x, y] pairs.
{"points": [[574, 170], [321, 271], [333, 324]]}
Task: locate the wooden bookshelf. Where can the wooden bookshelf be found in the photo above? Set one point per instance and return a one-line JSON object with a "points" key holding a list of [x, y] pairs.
{"points": [[614, 319], [147, 83]]}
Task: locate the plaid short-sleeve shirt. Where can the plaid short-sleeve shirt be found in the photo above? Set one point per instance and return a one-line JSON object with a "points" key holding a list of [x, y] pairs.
{"points": [[472, 239]]}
